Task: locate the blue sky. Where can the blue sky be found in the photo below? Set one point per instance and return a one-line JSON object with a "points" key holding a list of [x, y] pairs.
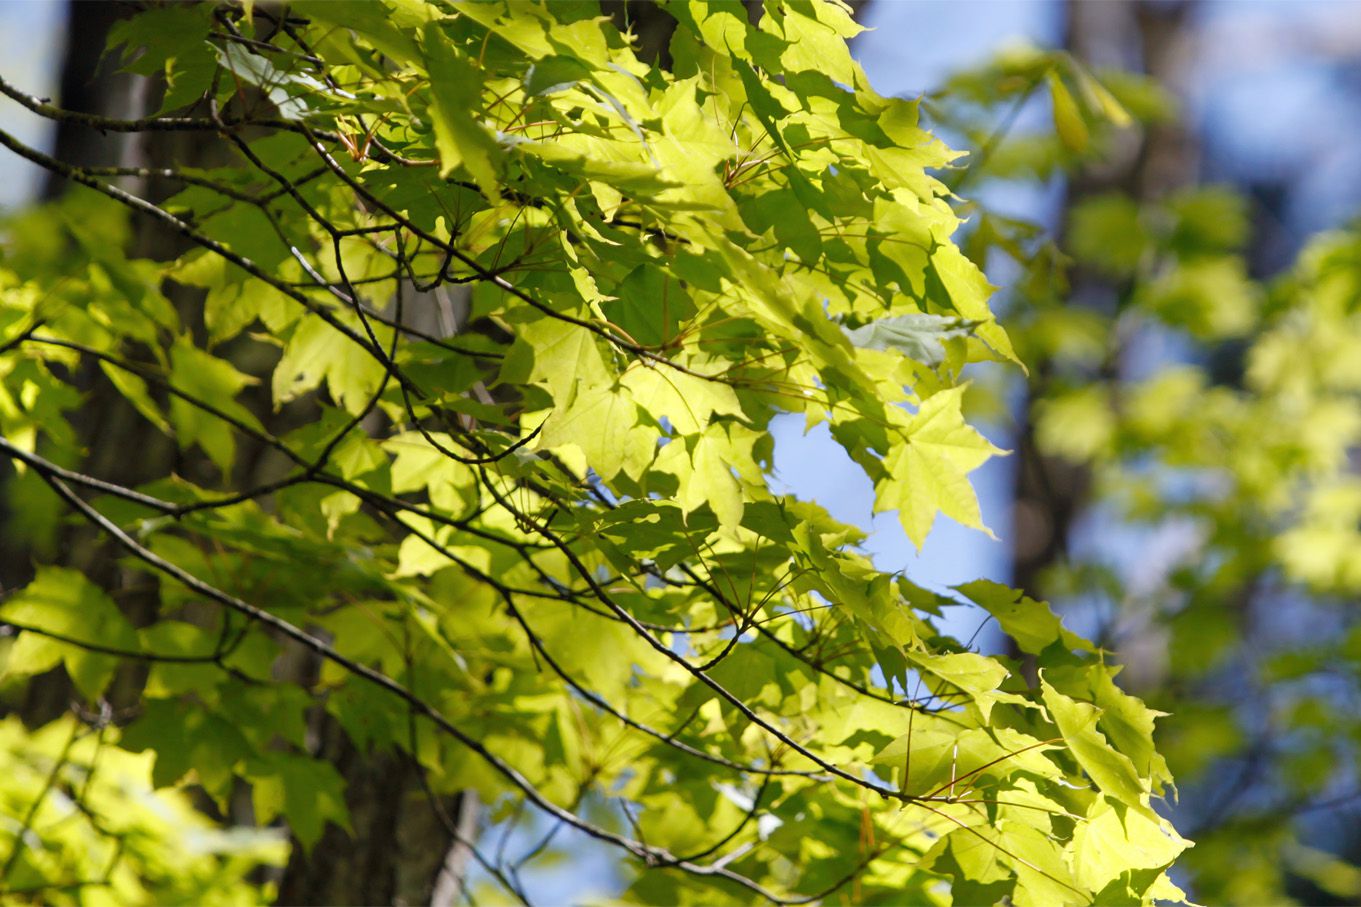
{"points": [[30, 46]]}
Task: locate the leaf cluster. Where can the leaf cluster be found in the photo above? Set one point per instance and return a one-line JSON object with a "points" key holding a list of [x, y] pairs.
{"points": [[467, 374]]}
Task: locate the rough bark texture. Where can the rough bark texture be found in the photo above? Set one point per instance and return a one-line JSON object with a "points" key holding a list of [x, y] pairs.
{"points": [[401, 846]]}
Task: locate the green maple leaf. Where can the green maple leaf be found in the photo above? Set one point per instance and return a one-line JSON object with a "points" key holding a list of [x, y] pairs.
{"points": [[456, 92], [928, 473]]}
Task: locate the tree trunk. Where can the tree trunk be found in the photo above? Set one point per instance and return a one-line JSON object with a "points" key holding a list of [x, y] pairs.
{"points": [[1050, 493]]}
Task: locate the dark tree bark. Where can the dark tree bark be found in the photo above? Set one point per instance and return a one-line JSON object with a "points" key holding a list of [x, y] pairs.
{"points": [[401, 851], [90, 82]]}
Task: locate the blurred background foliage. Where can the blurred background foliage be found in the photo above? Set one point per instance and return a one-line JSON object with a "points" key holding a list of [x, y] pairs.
{"points": [[1184, 281], [1185, 481]]}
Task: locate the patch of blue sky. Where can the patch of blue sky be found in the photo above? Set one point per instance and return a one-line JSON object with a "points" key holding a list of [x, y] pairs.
{"points": [[30, 46]]}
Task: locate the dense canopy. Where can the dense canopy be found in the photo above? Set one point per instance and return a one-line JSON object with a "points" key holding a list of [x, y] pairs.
{"points": [[464, 365]]}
